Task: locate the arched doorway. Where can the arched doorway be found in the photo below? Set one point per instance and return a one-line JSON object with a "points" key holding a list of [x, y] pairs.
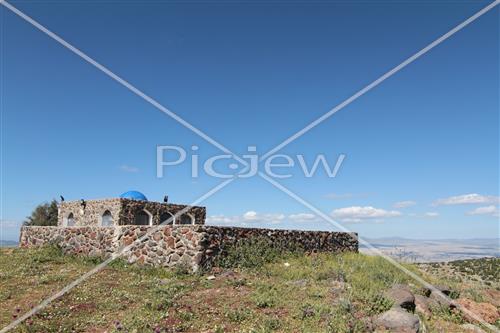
{"points": [[167, 218], [70, 220], [186, 219], [143, 217], [106, 219]]}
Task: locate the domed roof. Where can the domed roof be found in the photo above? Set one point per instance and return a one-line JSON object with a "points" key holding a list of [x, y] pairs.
{"points": [[134, 195]]}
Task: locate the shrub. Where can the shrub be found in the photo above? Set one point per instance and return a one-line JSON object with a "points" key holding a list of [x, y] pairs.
{"points": [[378, 304], [238, 315], [271, 324], [47, 253], [265, 296], [254, 253]]}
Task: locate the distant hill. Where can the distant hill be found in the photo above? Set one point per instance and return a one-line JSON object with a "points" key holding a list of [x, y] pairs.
{"points": [[485, 271], [428, 250], [8, 243]]}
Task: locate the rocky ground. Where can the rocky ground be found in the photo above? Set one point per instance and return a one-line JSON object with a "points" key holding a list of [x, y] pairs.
{"points": [[252, 290]]}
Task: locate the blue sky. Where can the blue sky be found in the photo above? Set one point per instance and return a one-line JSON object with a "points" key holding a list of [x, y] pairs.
{"points": [[253, 74]]}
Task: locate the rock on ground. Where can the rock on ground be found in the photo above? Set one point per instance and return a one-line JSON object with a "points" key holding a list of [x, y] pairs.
{"points": [[402, 297], [422, 306], [437, 300], [398, 320], [444, 289], [487, 311]]}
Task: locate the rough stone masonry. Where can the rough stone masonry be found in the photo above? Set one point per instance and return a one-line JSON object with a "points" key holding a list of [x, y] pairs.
{"points": [[102, 227]]}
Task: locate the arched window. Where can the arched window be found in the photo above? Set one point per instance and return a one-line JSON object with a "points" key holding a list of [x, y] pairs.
{"points": [[143, 218], [167, 217], [186, 219], [70, 220], [107, 219]]}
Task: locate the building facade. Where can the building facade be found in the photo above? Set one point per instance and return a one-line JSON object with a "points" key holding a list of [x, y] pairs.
{"points": [[131, 208]]}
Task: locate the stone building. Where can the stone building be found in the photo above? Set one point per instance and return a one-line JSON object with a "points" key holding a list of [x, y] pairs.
{"points": [[163, 234], [131, 208]]}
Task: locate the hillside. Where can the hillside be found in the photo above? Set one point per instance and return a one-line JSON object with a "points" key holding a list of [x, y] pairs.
{"points": [[252, 291]]}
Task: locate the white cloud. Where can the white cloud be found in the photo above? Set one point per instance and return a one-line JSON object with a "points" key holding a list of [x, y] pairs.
{"points": [[128, 168], [432, 214], [472, 198], [487, 210], [250, 215], [248, 218], [359, 214], [254, 218], [404, 204], [220, 219], [303, 217], [263, 218]]}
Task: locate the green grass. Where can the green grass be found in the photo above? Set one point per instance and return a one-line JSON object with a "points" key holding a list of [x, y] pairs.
{"points": [[254, 292]]}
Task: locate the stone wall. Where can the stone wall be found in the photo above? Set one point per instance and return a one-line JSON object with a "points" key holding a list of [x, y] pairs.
{"points": [[91, 214], [168, 246], [194, 246], [218, 239], [123, 211], [91, 241]]}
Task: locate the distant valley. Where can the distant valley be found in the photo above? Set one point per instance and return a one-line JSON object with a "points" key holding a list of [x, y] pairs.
{"points": [[413, 250]]}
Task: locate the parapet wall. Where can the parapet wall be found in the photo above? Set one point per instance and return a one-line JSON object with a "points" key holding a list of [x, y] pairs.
{"points": [[193, 245]]}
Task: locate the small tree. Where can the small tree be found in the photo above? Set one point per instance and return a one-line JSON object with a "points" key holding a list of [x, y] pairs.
{"points": [[43, 215]]}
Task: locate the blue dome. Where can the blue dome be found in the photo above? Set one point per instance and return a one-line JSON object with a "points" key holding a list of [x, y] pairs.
{"points": [[134, 195]]}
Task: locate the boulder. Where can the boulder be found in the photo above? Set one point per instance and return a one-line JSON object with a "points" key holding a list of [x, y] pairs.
{"points": [[439, 301], [444, 289], [422, 306], [486, 311], [398, 320], [402, 297]]}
